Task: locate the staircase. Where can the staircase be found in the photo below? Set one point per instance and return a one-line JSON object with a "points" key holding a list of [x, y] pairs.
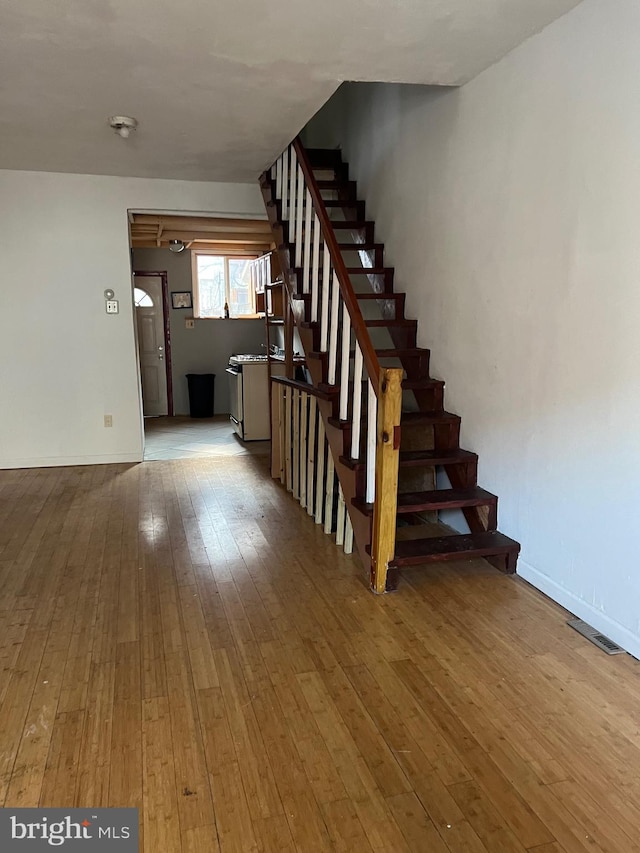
{"points": [[383, 415]]}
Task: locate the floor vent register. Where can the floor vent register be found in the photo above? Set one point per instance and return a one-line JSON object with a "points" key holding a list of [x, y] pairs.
{"points": [[595, 637]]}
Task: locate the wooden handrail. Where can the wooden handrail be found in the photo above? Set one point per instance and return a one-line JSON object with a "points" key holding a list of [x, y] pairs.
{"points": [[302, 386], [357, 321]]}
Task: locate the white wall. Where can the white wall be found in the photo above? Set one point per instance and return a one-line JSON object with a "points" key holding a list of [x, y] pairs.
{"points": [[205, 348], [64, 363], [511, 210]]}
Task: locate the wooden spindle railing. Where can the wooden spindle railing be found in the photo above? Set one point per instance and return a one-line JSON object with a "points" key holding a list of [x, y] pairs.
{"points": [[342, 334], [306, 463]]}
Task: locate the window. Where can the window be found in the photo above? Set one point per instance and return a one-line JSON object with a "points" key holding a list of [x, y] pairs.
{"points": [[222, 278], [141, 298]]}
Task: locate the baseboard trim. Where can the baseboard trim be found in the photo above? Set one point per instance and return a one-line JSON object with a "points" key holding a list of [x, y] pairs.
{"points": [[629, 641], [66, 461]]}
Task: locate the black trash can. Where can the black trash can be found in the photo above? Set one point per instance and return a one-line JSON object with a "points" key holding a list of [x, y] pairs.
{"points": [[201, 394]]}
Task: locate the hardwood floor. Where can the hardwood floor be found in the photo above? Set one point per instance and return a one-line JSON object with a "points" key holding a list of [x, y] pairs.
{"points": [[180, 637]]}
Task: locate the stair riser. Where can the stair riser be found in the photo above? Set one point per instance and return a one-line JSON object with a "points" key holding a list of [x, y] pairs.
{"points": [[382, 337], [337, 210], [434, 397], [487, 510], [353, 257], [418, 365], [441, 436], [347, 191], [393, 337], [413, 478], [431, 400], [365, 283], [338, 173]]}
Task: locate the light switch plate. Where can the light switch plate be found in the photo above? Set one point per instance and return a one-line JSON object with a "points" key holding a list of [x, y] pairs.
{"points": [[189, 323], [112, 306]]}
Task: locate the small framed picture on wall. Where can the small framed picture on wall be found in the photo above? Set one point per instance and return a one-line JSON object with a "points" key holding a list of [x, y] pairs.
{"points": [[181, 299]]}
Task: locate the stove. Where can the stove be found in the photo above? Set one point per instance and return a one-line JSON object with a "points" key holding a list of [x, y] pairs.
{"points": [[247, 359]]}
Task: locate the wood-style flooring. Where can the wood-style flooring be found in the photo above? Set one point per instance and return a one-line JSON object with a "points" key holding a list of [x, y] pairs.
{"points": [[180, 637]]}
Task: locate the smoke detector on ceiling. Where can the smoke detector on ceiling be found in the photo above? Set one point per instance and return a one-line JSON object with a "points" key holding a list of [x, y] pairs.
{"points": [[123, 125]]}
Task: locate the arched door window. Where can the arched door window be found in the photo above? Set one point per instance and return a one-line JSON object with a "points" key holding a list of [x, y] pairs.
{"points": [[141, 298]]}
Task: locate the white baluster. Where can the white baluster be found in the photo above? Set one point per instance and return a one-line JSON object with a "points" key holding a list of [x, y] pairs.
{"points": [[321, 456], [348, 536], [296, 444], [299, 215], [344, 363], [307, 244], [329, 493], [311, 453], [324, 313], [285, 185], [315, 265], [357, 403], [342, 510], [288, 439], [333, 330], [304, 408], [279, 178], [282, 430], [372, 432], [293, 207]]}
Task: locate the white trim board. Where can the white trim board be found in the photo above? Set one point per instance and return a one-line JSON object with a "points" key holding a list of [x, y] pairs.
{"points": [[67, 461], [629, 641]]}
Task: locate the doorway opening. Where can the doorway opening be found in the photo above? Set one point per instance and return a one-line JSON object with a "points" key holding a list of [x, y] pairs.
{"points": [[151, 301], [194, 268]]}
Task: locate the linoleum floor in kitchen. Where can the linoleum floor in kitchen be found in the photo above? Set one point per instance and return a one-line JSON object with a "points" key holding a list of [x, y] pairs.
{"points": [[191, 438]]}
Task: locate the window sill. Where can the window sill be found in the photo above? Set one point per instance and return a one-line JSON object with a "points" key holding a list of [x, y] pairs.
{"points": [[244, 317]]}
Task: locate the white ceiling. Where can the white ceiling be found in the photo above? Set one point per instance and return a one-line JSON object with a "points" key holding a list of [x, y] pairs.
{"points": [[220, 87]]}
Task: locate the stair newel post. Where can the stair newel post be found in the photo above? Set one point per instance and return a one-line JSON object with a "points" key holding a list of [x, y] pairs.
{"points": [[387, 462]]}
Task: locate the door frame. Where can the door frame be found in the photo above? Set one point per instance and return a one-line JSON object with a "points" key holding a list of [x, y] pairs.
{"points": [[166, 325]]}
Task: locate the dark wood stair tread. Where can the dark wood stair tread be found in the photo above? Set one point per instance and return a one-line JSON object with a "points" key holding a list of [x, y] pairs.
{"points": [[384, 322], [421, 384], [374, 324], [407, 385], [421, 458], [384, 352], [409, 418], [442, 548], [320, 158], [361, 247], [339, 202], [385, 297], [410, 458], [351, 225], [444, 499], [435, 499], [336, 183]]}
